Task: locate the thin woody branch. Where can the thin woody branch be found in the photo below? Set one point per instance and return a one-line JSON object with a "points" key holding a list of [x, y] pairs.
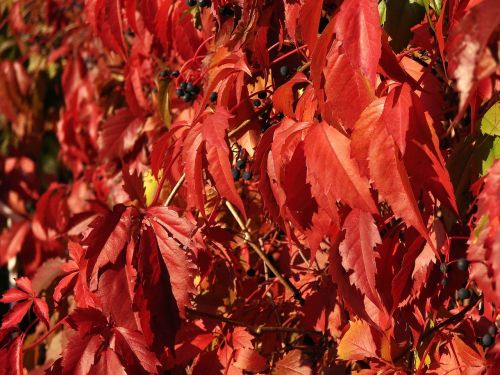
{"points": [[248, 238], [252, 329]]}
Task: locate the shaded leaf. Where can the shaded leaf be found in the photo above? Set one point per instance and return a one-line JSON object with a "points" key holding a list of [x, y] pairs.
{"points": [[358, 253], [293, 364]]}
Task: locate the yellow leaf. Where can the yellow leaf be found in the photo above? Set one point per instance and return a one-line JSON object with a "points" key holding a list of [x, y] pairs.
{"points": [[150, 185], [164, 102], [357, 342]]}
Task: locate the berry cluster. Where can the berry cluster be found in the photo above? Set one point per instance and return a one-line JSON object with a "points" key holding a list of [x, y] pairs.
{"points": [[187, 91], [489, 338], [201, 3], [226, 11], [236, 171], [164, 74], [462, 265]]}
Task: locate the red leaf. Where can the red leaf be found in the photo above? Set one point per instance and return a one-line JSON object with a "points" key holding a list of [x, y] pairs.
{"points": [[249, 360], [309, 15], [331, 171], [14, 295], [115, 284], [466, 46], [423, 159], [16, 314], [112, 27], [134, 341], [348, 92], [241, 338], [293, 364], [133, 185], [85, 319], [154, 297], [47, 273], [41, 310], [484, 249], [108, 238], [357, 25], [173, 236], [352, 296], [119, 134], [108, 364], [208, 139], [385, 165], [130, 10], [11, 357], [358, 253], [162, 23], [283, 97], [25, 285], [12, 240], [79, 354], [396, 115]]}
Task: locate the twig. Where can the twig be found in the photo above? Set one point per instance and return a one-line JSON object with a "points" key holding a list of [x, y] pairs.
{"points": [[459, 316], [45, 335], [179, 183], [238, 128], [175, 190], [254, 330], [248, 238]]}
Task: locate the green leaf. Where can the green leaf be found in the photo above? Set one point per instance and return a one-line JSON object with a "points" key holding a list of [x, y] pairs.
{"points": [[493, 155], [490, 123], [436, 5], [382, 10]]}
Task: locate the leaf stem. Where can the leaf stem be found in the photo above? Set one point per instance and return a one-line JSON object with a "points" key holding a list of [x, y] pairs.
{"points": [[457, 317], [254, 330], [175, 190], [282, 57], [46, 334], [248, 238]]}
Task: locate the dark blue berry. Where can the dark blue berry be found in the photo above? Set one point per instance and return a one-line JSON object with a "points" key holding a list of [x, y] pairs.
{"points": [[463, 294], [462, 264], [262, 95], [256, 102], [179, 92], [487, 340], [444, 281], [204, 3], [492, 330], [444, 267], [190, 87], [187, 97], [191, 3], [175, 73], [284, 70], [247, 175], [164, 74], [241, 164], [183, 85], [251, 272], [236, 174], [226, 11], [213, 97]]}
